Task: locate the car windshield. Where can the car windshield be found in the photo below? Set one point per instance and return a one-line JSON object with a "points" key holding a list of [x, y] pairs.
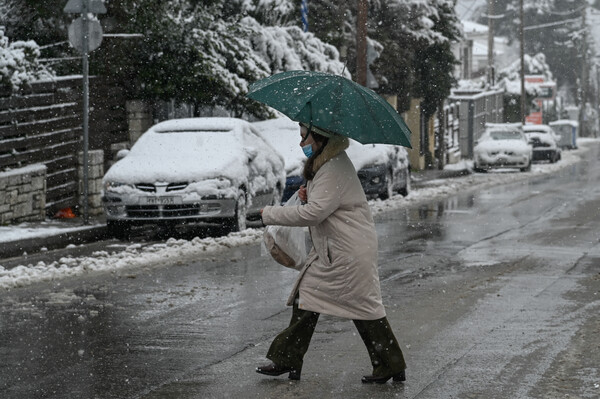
{"points": [[505, 135]]}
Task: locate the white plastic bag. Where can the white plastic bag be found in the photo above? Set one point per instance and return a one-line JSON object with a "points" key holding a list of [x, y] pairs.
{"points": [[286, 244]]}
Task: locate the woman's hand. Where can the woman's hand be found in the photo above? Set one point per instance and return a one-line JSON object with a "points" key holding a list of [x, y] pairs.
{"points": [[302, 193]]}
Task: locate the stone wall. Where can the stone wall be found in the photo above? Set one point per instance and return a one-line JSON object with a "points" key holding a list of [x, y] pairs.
{"points": [[23, 194], [95, 174]]}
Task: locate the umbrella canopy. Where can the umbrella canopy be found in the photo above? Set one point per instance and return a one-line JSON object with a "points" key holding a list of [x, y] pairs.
{"points": [[333, 103]]}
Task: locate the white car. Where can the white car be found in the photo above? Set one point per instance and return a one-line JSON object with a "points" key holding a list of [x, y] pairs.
{"points": [[382, 169], [212, 170], [502, 146], [544, 141]]}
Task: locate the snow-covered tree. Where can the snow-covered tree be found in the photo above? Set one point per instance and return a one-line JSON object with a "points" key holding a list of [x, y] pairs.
{"points": [[509, 79], [555, 29], [19, 63], [288, 48], [435, 61], [207, 53], [417, 60]]}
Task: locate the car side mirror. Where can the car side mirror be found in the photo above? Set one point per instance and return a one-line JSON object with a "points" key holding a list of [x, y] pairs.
{"points": [[122, 154]]}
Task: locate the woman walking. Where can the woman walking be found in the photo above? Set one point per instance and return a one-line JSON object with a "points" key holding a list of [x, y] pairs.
{"points": [[340, 276]]}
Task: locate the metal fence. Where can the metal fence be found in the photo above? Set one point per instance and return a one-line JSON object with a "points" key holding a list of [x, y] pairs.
{"points": [[475, 110], [42, 123]]}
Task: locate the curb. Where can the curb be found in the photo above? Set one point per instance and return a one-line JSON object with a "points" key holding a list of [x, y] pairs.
{"points": [[35, 244]]}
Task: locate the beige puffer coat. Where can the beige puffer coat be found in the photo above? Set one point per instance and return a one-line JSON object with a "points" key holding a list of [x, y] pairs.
{"points": [[340, 276]]}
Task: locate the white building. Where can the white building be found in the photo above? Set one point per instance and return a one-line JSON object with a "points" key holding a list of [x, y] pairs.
{"points": [[472, 52]]}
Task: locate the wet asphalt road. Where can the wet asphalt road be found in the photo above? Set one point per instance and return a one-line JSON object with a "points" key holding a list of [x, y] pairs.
{"points": [[492, 294]]}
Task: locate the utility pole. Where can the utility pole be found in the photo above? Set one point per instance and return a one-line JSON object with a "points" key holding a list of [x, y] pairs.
{"points": [[85, 35], [584, 80], [491, 73], [361, 42], [522, 36]]}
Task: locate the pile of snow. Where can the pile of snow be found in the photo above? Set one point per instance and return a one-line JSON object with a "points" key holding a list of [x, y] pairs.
{"points": [[133, 256], [139, 256]]}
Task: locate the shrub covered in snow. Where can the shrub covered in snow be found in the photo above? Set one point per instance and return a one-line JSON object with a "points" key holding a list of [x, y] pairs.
{"points": [[19, 63]]}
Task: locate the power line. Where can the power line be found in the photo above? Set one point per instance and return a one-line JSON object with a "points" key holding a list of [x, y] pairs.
{"points": [[566, 21], [566, 12]]}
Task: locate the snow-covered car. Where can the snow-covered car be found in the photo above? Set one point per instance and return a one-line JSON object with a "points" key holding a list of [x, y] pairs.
{"points": [[284, 135], [502, 145], [383, 169], [544, 141], [206, 170]]}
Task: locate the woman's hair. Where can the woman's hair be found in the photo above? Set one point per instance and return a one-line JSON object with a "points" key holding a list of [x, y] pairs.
{"points": [[308, 171]]}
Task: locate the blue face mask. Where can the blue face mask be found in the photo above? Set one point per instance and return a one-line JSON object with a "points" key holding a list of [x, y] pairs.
{"points": [[307, 150]]}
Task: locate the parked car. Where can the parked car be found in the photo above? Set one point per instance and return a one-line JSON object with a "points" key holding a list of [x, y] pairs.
{"points": [[213, 170], [382, 169], [502, 145], [284, 135], [544, 141]]}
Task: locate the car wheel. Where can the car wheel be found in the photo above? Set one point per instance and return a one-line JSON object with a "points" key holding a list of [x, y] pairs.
{"points": [[406, 189], [389, 186], [118, 230], [238, 221]]}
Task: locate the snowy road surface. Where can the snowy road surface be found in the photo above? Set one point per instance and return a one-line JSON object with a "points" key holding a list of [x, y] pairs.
{"points": [[493, 292]]}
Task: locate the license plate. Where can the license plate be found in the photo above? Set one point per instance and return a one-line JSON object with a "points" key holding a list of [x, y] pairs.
{"points": [[160, 201]]}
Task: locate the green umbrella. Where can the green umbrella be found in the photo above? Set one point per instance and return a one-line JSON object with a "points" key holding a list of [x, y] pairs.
{"points": [[333, 103]]}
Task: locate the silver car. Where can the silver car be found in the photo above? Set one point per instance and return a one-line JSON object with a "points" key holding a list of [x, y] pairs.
{"points": [[212, 170], [544, 141]]}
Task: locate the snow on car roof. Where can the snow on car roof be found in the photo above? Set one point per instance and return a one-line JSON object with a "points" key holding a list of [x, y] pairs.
{"points": [[505, 134], [185, 155], [537, 128], [504, 126], [199, 125], [363, 155]]}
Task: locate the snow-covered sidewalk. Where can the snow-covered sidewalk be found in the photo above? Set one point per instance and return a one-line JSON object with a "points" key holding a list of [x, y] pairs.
{"points": [[141, 256]]}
